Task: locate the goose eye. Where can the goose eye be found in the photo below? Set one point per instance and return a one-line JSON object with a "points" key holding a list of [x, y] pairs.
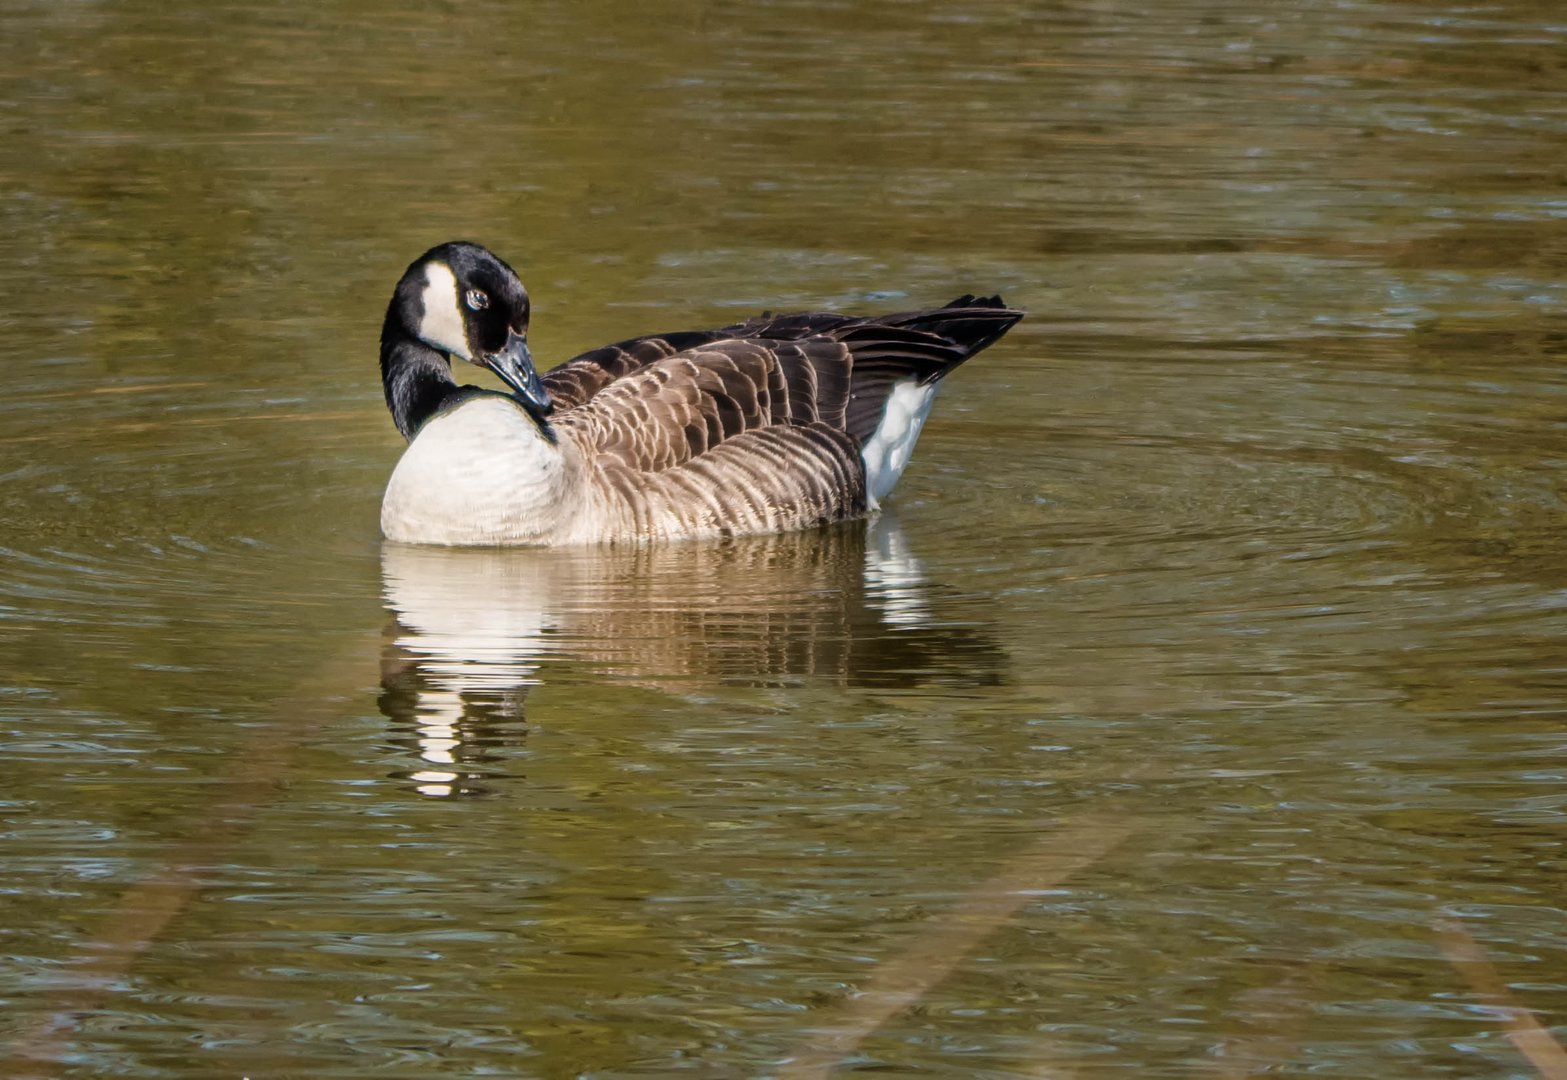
{"points": [[476, 300]]}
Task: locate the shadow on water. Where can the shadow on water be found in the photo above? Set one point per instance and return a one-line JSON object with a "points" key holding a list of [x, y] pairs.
{"points": [[471, 631]]}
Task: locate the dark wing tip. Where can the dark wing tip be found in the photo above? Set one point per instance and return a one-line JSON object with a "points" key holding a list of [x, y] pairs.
{"points": [[969, 300]]}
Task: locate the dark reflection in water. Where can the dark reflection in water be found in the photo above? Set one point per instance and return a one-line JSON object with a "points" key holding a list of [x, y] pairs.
{"points": [[471, 631]]}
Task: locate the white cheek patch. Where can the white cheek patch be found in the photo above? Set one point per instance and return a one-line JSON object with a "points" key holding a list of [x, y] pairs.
{"points": [[441, 325]]}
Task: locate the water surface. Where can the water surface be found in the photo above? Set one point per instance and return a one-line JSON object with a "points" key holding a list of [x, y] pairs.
{"points": [[1244, 549]]}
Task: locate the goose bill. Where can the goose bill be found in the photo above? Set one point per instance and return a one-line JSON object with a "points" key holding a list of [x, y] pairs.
{"points": [[514, 364]]}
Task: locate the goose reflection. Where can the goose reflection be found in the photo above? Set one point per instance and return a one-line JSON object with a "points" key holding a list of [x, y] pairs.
{"points": [[472, 630]]}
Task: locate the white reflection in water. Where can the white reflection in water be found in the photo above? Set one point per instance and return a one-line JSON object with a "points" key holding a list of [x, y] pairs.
{"points": [[895, 578], [471, 630]]}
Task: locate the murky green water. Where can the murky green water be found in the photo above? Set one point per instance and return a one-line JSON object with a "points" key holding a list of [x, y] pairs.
{"points": [[1244, 551]]}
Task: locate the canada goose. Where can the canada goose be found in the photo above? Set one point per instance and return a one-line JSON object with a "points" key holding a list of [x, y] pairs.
{"points": [[778, 423]]}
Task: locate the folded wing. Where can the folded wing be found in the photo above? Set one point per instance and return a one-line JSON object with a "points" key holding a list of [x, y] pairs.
{"points": [[662, 400]]}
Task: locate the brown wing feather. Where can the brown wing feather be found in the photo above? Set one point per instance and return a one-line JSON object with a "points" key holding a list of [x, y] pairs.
{"points": [[579, 379], [756, 427], [834, 368], [683, 406]]}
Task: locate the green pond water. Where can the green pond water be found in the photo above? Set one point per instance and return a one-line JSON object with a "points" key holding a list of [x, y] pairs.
{"points": [[1198, 708]]}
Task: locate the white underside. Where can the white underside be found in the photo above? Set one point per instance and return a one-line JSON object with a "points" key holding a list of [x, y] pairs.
{"points": [[479, 474], [886, 453]]}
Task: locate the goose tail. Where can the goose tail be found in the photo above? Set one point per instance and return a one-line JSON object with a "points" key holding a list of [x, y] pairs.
{"points": [[967, 325]]}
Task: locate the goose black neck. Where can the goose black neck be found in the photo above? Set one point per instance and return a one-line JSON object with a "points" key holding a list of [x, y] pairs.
{"points": [[417, 379]]}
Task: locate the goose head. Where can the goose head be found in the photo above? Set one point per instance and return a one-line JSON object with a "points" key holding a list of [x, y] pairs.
{"points": [[462, 300]]}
